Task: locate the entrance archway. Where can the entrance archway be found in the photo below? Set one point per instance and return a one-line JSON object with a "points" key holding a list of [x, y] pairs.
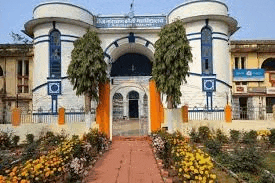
{"points": [[130, 68]]}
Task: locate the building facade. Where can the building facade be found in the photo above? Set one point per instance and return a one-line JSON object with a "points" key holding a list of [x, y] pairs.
{"points": [[16, 79], [128, 44], [253, 65]]}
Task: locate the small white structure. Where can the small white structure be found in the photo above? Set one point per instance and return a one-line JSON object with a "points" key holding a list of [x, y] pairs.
{"points": [[128, 44]]}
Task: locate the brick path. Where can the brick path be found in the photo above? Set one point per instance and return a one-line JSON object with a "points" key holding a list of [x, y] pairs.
{"points": [[128, 161]]}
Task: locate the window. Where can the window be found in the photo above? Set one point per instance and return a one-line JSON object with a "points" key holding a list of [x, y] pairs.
{"points": [[270, 101], [241, 83], [240, 63], [1, 71], [133, 95], [206, 51], [55, 54], [236, 62], [23, 76], [243, 62]]}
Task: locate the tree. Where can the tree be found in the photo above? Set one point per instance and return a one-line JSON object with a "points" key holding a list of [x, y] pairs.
{"points": [[87, 68], [19, 39], [170, 66]]}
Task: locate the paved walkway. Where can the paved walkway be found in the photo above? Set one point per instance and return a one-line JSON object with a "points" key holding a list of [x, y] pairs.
{"points": [[128, 161]]}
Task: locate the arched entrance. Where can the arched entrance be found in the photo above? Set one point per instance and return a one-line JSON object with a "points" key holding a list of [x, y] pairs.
{"points": [[130, 110], [130, 69], [130, 75]]}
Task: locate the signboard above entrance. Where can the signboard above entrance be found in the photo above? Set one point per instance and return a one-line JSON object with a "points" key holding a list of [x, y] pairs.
{"points": [[127, 22], [248, 74]]}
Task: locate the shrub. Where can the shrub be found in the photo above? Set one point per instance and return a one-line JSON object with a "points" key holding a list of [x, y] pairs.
{"points": [[5, 139], [97, 139], [31, 151], [235, 136], [162, 144], [204, 133], [221, 137], [272, 137], [29, 138], [248, 160], [250, 137], [265, 177], [194, 136], [15, 140], [248, 177], [214, 147]]}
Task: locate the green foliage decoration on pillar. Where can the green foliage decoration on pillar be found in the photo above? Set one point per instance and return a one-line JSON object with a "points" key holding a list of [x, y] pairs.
{"points": [[170, 65]]}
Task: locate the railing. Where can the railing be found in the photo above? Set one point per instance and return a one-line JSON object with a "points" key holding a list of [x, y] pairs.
{"points": [[38, 117], [203, 113], [72, 116], [251, 113], [75, 116]]}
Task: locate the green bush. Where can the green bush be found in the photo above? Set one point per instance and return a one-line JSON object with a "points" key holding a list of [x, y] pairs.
{"points": [[214, 147], [272, 137], [15, 140], [29, 138], [247, 177], [5, 139], [248, 159], [250, 137], [31, 151], [97, 139], [221, 137], [194, 136], [204, 133], [266, 178], [165, 153], [235, 136]]}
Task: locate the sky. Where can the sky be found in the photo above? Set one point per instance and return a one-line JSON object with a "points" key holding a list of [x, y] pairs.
{"points": [[255, 17]]}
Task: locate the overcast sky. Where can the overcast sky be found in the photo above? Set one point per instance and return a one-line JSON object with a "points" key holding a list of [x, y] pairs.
{"points": [[256, 17]]}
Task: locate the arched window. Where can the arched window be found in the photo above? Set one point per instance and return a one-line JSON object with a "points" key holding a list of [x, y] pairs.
{"points": [[269, 64], [206, 51], [55, 54], [133, 95], [1, 71], [118, 96]]}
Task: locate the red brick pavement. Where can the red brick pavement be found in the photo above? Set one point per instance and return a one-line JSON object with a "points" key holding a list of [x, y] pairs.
{"points": [[128, 161]]}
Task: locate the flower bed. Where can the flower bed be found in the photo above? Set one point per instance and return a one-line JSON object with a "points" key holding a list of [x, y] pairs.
{"points": [[67, 161], [242, 154], [187, 163]]}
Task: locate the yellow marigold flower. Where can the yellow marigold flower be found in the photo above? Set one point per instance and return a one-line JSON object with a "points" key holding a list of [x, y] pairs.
{"points": [[213, 176], [196, 171], [192, 168]]}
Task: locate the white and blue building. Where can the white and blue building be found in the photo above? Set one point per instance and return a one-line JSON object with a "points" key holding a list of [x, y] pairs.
{"points": [[128, 44]]}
